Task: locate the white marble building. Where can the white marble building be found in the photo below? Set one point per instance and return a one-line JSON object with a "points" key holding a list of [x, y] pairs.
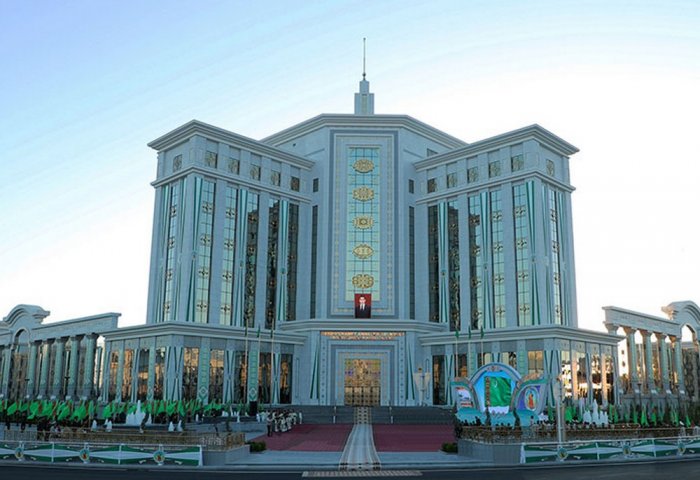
{"points": [[260, 249]]}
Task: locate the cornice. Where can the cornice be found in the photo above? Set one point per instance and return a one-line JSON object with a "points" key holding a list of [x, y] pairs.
{"points": [[195, 127], [489, 184], [536, 132], [332, 325], [524, 333], [616, 317], [363, 121], [238, 180], [200, 330]]}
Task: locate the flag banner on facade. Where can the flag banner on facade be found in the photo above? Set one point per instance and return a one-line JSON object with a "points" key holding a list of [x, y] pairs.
{"points": [[499, 391]]}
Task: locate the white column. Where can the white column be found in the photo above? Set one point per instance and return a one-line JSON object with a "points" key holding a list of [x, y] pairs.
{"points": [[648, 362], [31, 370], [663, 361], [7, 359], [44, 375], [73, 366], [678, 360], [150, 389], [89, 366], [58, 367], [632, 359]]}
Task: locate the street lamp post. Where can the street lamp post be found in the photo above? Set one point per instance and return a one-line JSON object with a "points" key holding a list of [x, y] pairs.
{"points": [[561, 429]]}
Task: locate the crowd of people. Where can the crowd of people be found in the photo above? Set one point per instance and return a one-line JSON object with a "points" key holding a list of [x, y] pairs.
{"points": [[279, 421]]}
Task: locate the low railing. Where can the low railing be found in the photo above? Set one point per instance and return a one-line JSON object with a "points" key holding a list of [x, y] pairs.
{"points": [[618, 449], [101, 453], [548, 433], [208, 441]]}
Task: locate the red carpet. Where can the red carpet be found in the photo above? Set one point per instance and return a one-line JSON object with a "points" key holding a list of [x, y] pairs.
{"points": [[411, 438], [309, 438]]}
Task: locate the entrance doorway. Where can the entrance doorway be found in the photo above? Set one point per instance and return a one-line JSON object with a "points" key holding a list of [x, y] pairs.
{"points": [[363, 382]]}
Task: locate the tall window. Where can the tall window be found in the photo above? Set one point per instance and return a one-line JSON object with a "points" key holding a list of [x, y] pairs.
{"points": [[251, 255], [127, 378], [286, 378], [314, 253], [412, 263], [497, 261], [433, 265], [171, 194], [292, 247], [204, 220], [476, 263], [142, 375], [522, 254], [189, 373], [113, 370], [363, 254], [228, 256], [555, 254], [272, 261], [159, 374], [453, 263], [439, 380], [216, 376]]}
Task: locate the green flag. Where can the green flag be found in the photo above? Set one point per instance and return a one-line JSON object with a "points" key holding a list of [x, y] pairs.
{"points": [[33, 409], [12, 408], [457, 334], [643, 421], [181, 408], [569, 414], [161, 407], [499, 391], [170, 408], [258, 334], [107, 411]]}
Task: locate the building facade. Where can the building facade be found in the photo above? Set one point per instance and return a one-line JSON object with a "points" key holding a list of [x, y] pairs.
{"points": [[261, 250]]}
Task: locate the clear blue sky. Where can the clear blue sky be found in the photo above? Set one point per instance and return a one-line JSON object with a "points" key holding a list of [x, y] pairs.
{"points": [[86, 84]]}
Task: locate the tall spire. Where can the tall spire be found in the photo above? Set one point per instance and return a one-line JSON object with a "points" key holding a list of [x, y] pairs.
{"points": [[364, 101], [364, 57]]}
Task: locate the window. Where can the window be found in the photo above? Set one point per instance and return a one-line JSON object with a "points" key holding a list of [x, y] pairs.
{"points": [[234, 165], [210, 159], [275, 177], [411, 186], [550, 168], [473, 174], [432, 185], [294, 183], [494, 169], [516, 163], [315, 185], [255, 172], [177, 163], [452, 180]]}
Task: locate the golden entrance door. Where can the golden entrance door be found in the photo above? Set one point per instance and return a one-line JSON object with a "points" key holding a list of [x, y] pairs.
{"points": [[363, 385]]}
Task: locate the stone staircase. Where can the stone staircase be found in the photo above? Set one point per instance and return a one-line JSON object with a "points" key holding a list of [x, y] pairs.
{"points": [[412, 415], [378, 415]]}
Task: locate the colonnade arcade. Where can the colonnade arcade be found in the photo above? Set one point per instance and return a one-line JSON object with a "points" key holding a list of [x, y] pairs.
{"points": [[51, 361], [657, 365]]}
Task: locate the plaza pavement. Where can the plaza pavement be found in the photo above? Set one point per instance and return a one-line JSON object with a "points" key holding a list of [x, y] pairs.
{"points": [[322, 447]]}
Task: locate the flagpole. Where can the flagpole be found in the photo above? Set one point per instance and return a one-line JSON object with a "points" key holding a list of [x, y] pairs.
{"points": [[244, 400], [456, 351]]}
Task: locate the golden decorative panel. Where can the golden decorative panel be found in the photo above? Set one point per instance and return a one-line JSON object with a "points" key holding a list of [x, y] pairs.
{"points": [[362, 251], [363, 281], [363, 222], [363, 194], [363, 165]]}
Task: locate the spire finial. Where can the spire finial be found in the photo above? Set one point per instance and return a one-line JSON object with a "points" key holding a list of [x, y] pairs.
{"points": [[364, 57]]}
